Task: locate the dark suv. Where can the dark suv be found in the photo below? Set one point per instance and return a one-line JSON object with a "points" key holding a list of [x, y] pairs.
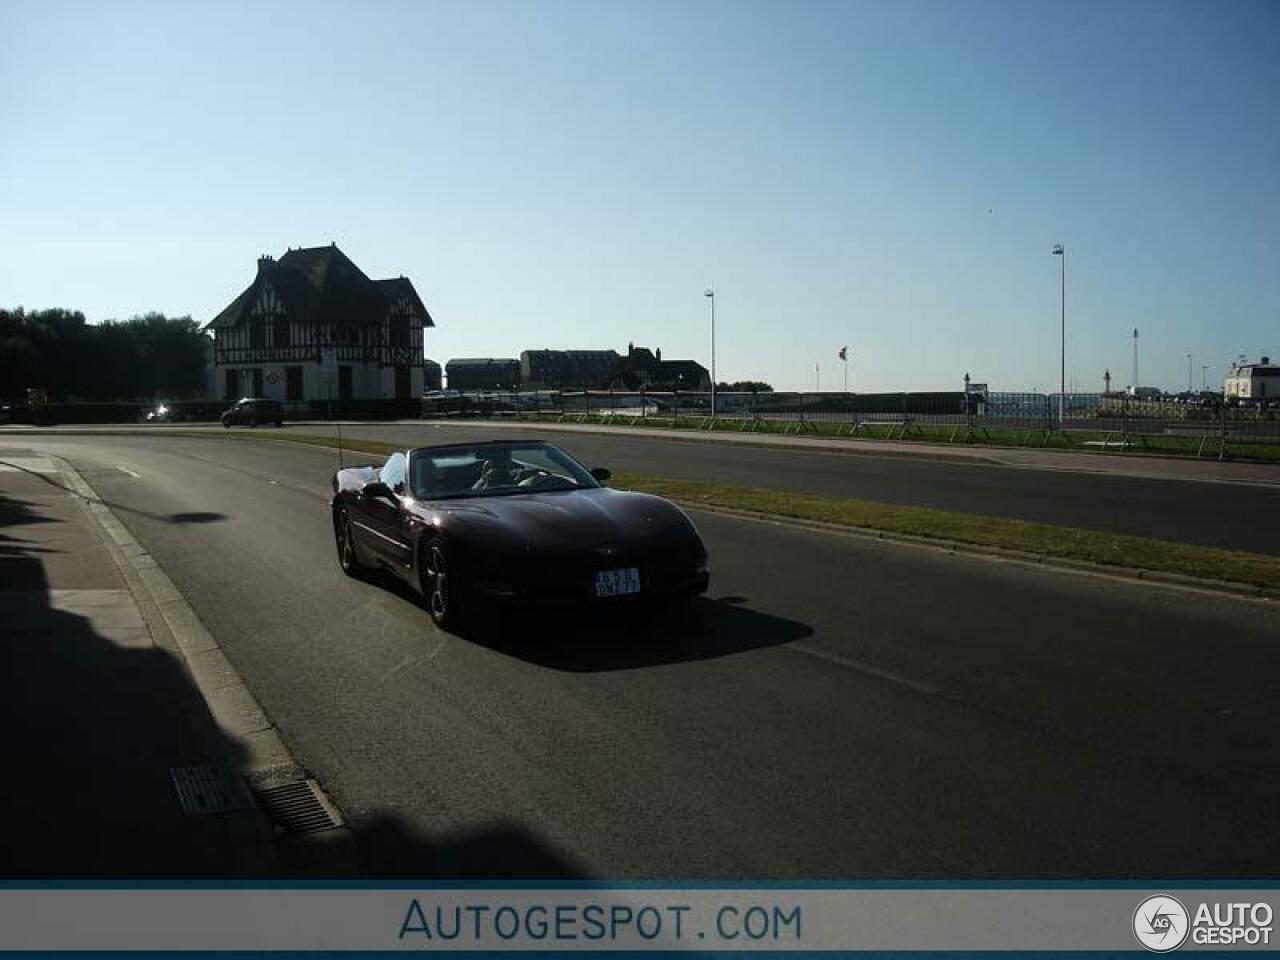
{"points": [[252, 411]]}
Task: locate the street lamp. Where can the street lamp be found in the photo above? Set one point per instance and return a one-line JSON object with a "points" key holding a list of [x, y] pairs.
{"points": [[711, 295], [1059, 251], [1204, 377], [1189, 384]]}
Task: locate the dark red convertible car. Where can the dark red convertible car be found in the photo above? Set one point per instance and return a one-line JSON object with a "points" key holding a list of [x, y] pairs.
{"points": [[512, 523]]}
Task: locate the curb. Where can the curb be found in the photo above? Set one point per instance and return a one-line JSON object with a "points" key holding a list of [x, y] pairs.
{"points": [[1239, 591], [233, 707]]}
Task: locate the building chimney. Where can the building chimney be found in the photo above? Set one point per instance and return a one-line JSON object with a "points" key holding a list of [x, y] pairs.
{"points": [[265, 261]]}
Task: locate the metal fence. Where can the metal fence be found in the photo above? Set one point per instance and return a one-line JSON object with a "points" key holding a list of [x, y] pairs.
{"points": [[1107, 421]]}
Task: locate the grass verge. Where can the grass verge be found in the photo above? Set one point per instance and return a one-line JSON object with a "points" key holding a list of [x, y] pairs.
{"points": [[1042, 539]]}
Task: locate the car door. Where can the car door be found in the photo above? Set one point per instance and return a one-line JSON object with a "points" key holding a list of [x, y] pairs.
{"points": [[385, 525]]}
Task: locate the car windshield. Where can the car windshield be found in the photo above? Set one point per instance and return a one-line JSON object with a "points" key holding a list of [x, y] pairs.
{"points": [[494, 469]]}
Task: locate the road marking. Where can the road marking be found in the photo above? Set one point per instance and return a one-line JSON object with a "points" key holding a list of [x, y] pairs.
{"points": [[136, 476], [27, 465], [867, 668]]}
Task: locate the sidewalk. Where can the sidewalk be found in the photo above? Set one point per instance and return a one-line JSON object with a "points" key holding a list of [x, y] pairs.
{"points": [[96, 711]]}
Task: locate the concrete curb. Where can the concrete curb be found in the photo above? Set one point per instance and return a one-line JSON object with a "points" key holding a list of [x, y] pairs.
{"points": [[242, 720], [1240, 591]]}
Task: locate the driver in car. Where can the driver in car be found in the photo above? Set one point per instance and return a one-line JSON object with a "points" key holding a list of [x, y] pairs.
{"points": [[499, 471]]}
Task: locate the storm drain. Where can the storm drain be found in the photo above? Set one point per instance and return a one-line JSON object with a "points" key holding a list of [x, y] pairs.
{"points": [[297, 807], [210, 789]]}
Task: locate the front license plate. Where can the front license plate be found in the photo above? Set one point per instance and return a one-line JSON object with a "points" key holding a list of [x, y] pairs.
{"points": [[617, 583]]}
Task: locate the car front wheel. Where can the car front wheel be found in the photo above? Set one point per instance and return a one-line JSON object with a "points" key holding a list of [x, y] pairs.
{"points": [[439, 584], [347, 558]]}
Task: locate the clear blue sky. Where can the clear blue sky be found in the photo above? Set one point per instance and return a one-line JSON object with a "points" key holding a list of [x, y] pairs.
{"points": [[889, 175]]}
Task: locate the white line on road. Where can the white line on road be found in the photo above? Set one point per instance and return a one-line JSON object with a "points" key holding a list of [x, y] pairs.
{"points": [[866, 668], [136, 476]]}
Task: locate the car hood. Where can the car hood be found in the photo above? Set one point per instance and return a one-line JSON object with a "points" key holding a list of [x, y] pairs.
{"points": [[569, 520]]}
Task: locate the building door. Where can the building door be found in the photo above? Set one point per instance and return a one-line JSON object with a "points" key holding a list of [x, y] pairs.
{"points": [[232, 389], [344, 383], [404, 382], [293, 384], [257, 381]]}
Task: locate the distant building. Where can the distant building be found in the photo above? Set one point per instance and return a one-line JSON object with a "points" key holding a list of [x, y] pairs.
{"points": [[644, 368], [483, 373], [569, 369], [312, 326], [1252, 380], [682, 375], [432, 375]]}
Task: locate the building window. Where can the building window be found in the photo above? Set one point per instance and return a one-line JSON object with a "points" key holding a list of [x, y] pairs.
{"points": [[257, 334], [293, 384], [280, 333]]}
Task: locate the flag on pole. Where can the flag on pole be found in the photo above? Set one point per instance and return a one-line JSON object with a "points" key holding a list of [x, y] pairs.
{"points": [[844, 353]]}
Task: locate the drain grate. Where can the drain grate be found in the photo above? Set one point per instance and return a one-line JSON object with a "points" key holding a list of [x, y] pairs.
{"points": [[209, 789], [297, 807]]}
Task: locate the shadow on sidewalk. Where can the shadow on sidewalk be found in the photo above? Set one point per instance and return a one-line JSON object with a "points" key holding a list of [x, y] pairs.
{"points": [[194, 517], [93, 717]]}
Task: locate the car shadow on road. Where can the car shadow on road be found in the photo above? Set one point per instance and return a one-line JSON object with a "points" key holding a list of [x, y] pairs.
{"points": [[634, 638], [628, 637]]}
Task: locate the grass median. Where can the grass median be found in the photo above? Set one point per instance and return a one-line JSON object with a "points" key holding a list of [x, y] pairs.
{"points": [[1043, 539]]}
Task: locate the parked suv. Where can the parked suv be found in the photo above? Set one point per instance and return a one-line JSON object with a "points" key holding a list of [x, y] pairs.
{"points": [[252, 411]]}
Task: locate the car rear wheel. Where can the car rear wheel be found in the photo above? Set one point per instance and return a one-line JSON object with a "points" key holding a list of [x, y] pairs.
{"points": [[438, 584], [347, 558]]}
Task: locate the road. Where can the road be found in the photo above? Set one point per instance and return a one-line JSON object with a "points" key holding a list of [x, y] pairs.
{"points": [[1234, 516], [837, 707], [1065, 489]]}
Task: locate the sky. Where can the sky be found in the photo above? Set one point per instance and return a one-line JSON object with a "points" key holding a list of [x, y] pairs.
{"points": [[890, 176]]}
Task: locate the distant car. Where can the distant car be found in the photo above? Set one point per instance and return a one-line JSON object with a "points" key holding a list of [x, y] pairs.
{"points": [[160, 413], [253, 412], [512, 523]]}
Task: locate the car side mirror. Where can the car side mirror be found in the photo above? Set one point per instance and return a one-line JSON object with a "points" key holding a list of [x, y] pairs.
{"points": [[380, 490], [603, 474]]}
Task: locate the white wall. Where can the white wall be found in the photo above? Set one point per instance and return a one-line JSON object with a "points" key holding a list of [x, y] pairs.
{"points": [[368, 381]]}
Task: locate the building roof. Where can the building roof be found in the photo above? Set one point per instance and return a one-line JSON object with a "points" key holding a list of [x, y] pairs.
{"points": [[321, 285], [480, 361]]}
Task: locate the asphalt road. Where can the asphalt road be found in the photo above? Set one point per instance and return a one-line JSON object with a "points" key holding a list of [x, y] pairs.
{"points": [[837, 708], [1231, 515]]}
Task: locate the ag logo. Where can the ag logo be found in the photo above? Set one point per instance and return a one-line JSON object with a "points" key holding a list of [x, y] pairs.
{"points": [[1161, 923]]}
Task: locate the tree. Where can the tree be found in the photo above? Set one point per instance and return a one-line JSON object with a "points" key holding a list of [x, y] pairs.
{"points": [[139, 358], [745, 386]]}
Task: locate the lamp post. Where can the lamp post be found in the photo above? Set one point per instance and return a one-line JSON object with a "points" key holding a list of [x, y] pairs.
{"points": [[1189, 384], [1060, 251], [1135, 361], [711, 295], [1204, 377]]}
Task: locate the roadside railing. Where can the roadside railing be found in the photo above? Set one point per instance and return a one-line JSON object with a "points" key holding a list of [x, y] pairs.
{"points": [[1116, 422]]}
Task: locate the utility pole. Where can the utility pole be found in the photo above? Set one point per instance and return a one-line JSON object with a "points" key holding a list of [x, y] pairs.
{"points": [[1135, 361], [1060, 251]]}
